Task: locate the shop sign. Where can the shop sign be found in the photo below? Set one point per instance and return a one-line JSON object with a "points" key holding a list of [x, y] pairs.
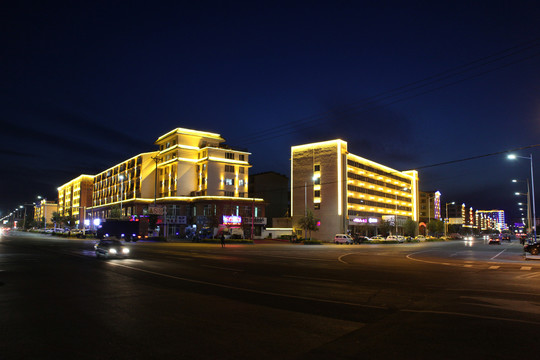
{"points": [[232, 220], [363, 220], [181, 220], [155, 210], [256, 221]]}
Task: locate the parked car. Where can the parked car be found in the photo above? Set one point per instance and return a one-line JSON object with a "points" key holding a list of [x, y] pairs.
{"points": [[343, 239], [377, 238], [111, 248], [391, 238], [420, 238], [533, 248], [400, 238], [360, 239]]}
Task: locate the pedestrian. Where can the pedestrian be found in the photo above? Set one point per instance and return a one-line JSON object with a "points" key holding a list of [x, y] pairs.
{"points": [[222, 240]]}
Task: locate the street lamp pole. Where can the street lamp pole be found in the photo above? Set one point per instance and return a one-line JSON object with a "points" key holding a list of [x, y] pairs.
{"points": [[121, 178], [529, 224], [530, 158], [447, 218]]}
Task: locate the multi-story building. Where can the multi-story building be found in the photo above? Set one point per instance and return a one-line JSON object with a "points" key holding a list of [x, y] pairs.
{"points": [[43, 212], [348, 193], [74, 197], [128, 185], [491, 219], [430, 206], [194, 182]]}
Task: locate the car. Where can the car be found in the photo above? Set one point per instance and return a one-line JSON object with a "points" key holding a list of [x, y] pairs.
{"points": [[343, 239], [360, 239], [391, 238], [111, 248], [494, 240], [420, 238], [533, 248], [400, 238], [377, 238]]}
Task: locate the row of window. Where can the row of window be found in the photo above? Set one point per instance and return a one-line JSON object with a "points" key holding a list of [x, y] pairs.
{"points": [[378, 204], [358, 165], [377, 193], [370, 180]]}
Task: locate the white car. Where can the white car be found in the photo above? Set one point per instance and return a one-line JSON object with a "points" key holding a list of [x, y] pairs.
{"points": [[391, 238], [343, 239], [401, 238], [420, 238]]}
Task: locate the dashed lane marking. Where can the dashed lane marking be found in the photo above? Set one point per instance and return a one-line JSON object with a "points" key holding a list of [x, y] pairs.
{"points": [[493, 267], [526, 268]]}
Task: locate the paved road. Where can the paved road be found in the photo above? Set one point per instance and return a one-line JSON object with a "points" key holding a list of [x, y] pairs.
{"points": [[176, 300]]}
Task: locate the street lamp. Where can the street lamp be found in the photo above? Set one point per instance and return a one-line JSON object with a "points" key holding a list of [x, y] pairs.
{"points": [[512, 157], [121, 178], [528, 202], [43, 210], [447, 217]]}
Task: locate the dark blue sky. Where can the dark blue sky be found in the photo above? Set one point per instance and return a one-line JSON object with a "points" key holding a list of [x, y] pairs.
{"points": [[85, 87]]}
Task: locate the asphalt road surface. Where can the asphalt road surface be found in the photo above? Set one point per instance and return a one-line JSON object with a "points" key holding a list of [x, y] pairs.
{"points": [[443, 300]]}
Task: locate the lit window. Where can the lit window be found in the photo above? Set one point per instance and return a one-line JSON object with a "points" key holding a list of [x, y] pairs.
{"points": [[229, 181], [241, 182]]}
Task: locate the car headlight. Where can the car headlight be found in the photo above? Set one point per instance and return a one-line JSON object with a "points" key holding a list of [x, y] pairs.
{"points": [[125, 251], [112, 251]]}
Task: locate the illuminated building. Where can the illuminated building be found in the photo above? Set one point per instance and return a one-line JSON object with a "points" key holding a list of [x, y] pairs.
{"points": [[192, 181], [491, 219], [348, 192], [74, 197], [43, 212], [429, 208]]}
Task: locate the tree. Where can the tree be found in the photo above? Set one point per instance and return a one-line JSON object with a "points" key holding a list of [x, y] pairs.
{"points": [[384, 227], [56, 218], [115, 213], [410, 227], [308, 222], [435, 227]]}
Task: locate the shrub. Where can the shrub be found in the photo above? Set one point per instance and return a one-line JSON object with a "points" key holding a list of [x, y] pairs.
{"points": [[312, 242]]}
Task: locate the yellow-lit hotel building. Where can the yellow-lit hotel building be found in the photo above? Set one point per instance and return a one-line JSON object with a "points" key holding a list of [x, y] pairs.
{"points": [[194, 179], [348, 193], [74, 197]]}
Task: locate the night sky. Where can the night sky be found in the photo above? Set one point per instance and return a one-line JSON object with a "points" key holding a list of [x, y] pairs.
{"points": [[406, 84]]}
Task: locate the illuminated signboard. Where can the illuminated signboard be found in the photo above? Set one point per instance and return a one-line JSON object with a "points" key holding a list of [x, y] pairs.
{"points": [[232, 220]]}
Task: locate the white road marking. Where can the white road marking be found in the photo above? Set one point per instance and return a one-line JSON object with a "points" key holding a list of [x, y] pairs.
{"points": [[468, 265], [325, 300], [252, 290], [494, 267], [222, 268], [526, 268], [317, 279], [498, 254], [340, 259]]}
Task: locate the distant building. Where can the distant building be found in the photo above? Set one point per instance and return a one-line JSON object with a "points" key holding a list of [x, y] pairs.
{"points": [[43, 212], [430, 206], [274, 189], [491, 219], [349, 193], [74, 197]]}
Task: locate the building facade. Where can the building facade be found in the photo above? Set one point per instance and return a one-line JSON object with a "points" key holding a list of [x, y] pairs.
{"points": [[74, 197], [43, 212], [348, 193], [194, 182]]}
